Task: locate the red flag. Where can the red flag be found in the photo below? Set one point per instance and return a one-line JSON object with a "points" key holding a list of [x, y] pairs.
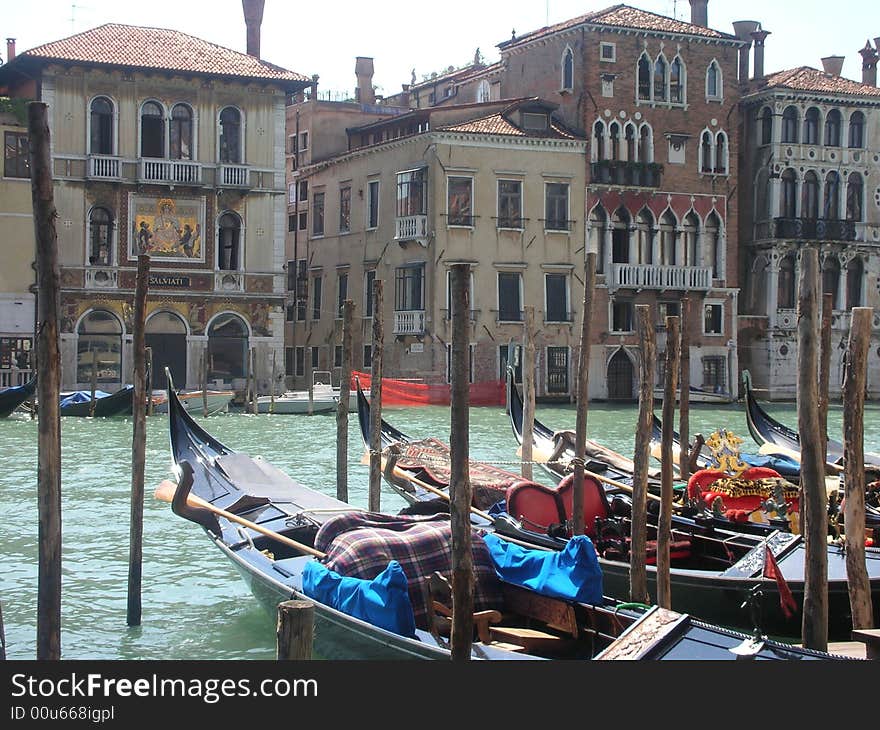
{"points": [[771, 570]]}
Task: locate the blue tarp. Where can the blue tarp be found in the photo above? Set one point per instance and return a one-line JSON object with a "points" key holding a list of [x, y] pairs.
{"points": [[382, 601], [81, 396], [571, 574], [785, 465]]}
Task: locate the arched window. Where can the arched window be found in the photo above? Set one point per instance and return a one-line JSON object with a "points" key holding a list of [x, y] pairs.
{"points": [[789, 194], [620, 225], [690, 229], [229, 242], [567, 70], [598, 224], [706, 152], [629, 132], [645, 232], [854, 197], [181, 137], [831, 278], [762, 201], [667, 239], [100, 240], [857, 130], [790, 125], [644, 78], [785, 293], [230, 136], [712, 237], [766, 125], [646, 144], [227, 348], [676, 81], [599, 140], [714, 89], [810, 196], [614, 133], [721, 153], [101, 126], [832, 128], [484, 92], [99, 348], [831, 206], [661, 70], [152, 130], [855, 274], [811, 126]]}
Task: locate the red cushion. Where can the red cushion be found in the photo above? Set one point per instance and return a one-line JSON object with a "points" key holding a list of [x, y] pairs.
{"points": [[595, 501], [537, 505]]}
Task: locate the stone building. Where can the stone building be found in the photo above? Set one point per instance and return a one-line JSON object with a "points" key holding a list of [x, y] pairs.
{"points": [[811, 174], [164, 144]]}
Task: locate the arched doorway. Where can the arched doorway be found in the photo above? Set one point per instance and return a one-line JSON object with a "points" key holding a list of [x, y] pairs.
{"points": [[99, 348], [227, 348], [166, 334], [620, 377]]}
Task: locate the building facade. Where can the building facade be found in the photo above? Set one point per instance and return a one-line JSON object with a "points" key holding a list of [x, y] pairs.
{"points": [[811, 168], [165, 145]]}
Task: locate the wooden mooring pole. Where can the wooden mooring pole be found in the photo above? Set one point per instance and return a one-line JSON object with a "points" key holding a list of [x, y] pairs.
{"points": [[855, 380], [342, 406], [459, 474], [374, 497], [2, 637], [684, 389], [583, 397], [148, 354], [138, 445], [814, 503], [638, 576], [204, 378], [825, 370], [94, 382], [253, 370], [295, 630], [48, 387], [528, 375], [272, 384], [664, 522]]}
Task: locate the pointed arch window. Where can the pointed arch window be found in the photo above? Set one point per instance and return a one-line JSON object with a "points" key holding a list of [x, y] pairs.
{"points": [[811, 126], [789, 194], [855, 274], [567, 70], [714, 89], [614, 133], [661, 73], [229, 242], [857, 130], [152, 130], [101, 126], [599, 140], [790, 125], [785, 292], [831, 278], [667, 239], [714, 243], [644, 78], [676, 81], [810, 196], [645, 233], [766, 126], [181, 133], [706, 152], [832, 128], [646, 144], [854, 197], [831, 207], [630, 137], [230, 136], [721, 155], [691, 232]]}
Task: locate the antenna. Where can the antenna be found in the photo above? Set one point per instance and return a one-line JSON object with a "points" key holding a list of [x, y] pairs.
{"points": [[73, 7]]}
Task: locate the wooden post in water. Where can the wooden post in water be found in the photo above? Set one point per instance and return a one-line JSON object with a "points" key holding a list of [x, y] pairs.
{"points": [[684, 388], [814, 504], [204, 378], [528, 374], [48, 387], [148, 354], [254, 408], [375, 492], [664, 523], [272, 385], [825, 370], [583, 397], [342, 406], [295, 630], [94, 382], [459, 471], [638, 576], [138, 444], [2, 637], [854, 383]]}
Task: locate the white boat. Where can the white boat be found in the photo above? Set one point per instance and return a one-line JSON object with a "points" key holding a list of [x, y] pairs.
{"points": [[697, 395], [325, 396], [193, 401]]}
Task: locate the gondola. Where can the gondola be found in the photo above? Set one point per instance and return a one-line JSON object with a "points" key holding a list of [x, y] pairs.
{"points": [[12, 398], [717, 573], [766, 430], [268, 525], [106, 405]]}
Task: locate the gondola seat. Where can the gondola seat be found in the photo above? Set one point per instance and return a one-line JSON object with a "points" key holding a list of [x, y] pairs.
{"points": [[596, 505], [537, 506]]}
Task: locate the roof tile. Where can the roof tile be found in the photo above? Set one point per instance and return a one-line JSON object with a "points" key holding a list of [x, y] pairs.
{"points": [[805, 78]]}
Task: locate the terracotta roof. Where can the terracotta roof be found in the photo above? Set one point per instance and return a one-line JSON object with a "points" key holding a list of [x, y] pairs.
{"points": [[497, 124], [157, 48], [622, 16], [806, 78]]}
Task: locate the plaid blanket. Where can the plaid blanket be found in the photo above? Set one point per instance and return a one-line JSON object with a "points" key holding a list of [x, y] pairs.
{"points": [[432, 457], [360, 544]]}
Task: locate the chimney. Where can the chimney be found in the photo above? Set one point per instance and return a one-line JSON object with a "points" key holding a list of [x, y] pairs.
{"points": [[869, 65], [743, 30], [759, 36], [700, 12], [10, 49], [833, 65], [363, 71], [313, 87], [253, 19]]}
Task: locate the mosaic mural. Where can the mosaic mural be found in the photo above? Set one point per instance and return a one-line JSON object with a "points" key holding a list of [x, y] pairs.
{"points": [[167, 228]]}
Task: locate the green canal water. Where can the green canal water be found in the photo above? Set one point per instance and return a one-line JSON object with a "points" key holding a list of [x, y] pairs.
{"points": [[195, 606]]}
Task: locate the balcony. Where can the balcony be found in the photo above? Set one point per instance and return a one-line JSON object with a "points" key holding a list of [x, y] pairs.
{"points": [[234, 176], [229, 281], [411, 228], [626, 174], [662, 278], [101, 277], [815, 229], [410, 322], [170, 172], [103, 167]]}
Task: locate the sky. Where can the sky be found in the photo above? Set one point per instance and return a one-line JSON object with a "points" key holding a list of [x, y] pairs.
{"points": [[324, 38]]}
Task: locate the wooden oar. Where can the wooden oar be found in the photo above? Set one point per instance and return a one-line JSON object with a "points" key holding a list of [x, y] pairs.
{"points": [[166, 490]]}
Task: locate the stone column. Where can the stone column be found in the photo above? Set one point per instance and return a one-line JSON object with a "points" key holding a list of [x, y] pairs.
{"points": [[773, 286]]}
